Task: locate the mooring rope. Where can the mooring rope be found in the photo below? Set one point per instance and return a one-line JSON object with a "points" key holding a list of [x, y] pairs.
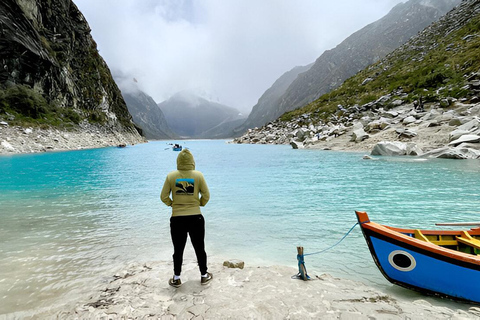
{"points": [[331, 247], [302, 270]]}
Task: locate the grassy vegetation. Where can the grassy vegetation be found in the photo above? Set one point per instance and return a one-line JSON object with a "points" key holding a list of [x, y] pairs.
{"points": [[434, 74], [29, 108]]}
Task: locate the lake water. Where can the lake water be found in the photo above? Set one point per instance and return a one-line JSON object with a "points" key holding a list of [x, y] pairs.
{"points": [[70, 219]]}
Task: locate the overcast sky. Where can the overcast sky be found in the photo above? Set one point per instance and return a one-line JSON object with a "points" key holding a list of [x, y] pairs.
{"points": [[228, 50]]}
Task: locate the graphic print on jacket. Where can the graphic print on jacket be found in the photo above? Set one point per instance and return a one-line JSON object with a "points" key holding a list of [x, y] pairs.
{"points": [[184, 186]]}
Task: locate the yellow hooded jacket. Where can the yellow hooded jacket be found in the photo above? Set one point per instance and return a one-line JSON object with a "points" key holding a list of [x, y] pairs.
{"points": [[187, 186]]}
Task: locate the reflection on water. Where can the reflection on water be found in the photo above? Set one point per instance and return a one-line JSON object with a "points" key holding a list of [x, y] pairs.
{"points": [[71, 219]]}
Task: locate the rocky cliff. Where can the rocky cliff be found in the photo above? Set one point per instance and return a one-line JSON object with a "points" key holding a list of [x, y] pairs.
{"points": [[359, 50], [422, 99], [52, 74]]}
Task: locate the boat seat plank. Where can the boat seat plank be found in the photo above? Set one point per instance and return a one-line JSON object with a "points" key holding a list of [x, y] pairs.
{"points": [[419, 235], [467, 239]]}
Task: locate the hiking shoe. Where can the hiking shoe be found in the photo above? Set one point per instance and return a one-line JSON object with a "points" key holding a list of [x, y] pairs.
{"points": [[175, 283], [207, 279]]}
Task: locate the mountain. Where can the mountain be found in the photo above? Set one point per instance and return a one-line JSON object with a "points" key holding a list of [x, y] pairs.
{"points": [[52, 73], [190, 116], [422, 99], [145, 112], [263, 111], [148, 116], [439, 64], [359, 50]]}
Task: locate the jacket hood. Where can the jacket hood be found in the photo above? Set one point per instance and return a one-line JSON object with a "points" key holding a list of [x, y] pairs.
{"points": [[185, 160]]}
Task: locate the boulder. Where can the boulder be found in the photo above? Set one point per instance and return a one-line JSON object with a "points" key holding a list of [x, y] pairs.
{"points": [[359, 135], [472, 138], [413, 150], [405, 133], [296, 144], [409, 119], [456, 134], [389, 148], [461, 152], [455, 122], [390, 114], [432, 114], [470, 125], [379, 124]]}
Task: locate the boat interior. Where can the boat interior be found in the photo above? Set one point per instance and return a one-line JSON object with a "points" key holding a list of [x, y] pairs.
{"points": [[467, 241]]}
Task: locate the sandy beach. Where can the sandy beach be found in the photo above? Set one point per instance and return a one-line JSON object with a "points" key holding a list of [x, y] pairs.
{"points": [[141, 292]]}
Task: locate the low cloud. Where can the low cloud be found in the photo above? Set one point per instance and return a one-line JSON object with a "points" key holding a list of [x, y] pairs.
{"points": [[230, 50]]}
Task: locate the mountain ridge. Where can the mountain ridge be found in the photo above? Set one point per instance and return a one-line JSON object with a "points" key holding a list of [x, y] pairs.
{"points": [[371, 43]]}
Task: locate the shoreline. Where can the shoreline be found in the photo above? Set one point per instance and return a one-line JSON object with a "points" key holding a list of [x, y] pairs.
{"points": [[452, 132], [20, 140], [254, 292]]}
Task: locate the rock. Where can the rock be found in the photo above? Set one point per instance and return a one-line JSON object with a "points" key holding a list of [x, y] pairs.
{"points": [[359, 135], [432, 114], [390, 114], [234, 264], [379, 124], [455, 122], [470, 125], [389, 148], [472, 138], [27, 131], [445, 117], [409, 119], [454, 135], [444, 103], [3, 123], [461, 152], [413, 150], [367, 80], [433, 123], [457, 154], [296, 144], [7, 146], [405, 133], [397, 103]]}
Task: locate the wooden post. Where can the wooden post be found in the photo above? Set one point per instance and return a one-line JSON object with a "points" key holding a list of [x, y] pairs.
{"points": [[301, 266], [300, 250]]}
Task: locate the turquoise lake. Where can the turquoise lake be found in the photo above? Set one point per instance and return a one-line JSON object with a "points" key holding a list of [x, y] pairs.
{"points": [[70, 219]]}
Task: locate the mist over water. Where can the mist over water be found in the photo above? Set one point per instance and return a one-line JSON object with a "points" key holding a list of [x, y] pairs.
{"points": [[73, 219]]}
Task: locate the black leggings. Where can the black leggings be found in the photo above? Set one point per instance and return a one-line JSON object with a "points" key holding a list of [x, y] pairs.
{"points": [[194, 226]]}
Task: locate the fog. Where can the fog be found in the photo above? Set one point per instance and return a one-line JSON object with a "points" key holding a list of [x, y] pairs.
{"points": [[228, 51]]}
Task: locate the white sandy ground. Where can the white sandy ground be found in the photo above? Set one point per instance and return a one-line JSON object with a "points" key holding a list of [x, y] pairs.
{"points": [[142, 292]]}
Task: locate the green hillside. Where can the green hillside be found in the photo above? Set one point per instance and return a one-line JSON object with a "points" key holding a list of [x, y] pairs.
{"points": [[436, 64]]}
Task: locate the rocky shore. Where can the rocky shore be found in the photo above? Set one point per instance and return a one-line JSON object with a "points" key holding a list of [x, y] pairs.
{"points": [[14, 139], [448, 129], [141, 292]]}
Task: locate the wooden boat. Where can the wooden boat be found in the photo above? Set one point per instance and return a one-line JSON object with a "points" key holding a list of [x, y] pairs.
{"points": [[443, 263]]}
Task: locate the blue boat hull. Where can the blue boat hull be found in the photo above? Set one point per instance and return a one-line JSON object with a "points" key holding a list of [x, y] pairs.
{"points": [[421, 266], [426, 273]]}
